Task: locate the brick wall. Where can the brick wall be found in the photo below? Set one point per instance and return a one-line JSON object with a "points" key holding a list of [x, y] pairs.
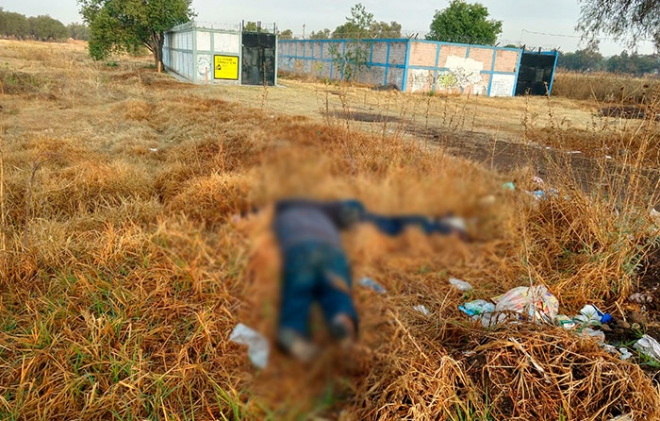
{"points": [[451, 50], [507, 61], [398, 53], [422, 54], [483, 55]]}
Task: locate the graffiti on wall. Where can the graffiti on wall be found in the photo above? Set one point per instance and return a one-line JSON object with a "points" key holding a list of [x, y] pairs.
{"points": [[459, 73], [462, 73], [204, 65]]}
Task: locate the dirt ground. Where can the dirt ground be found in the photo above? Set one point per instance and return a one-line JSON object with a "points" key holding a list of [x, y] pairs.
{"points": [[501, 133]]}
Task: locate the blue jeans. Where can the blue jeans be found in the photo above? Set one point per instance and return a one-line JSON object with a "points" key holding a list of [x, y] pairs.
{"points": [[314, 272]]}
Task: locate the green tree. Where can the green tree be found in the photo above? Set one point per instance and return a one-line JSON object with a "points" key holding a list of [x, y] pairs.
{"points": [[634, 64], [585, 60], [323, 34], [465, 23], [354, 54], [647, 64], [621, 64], [14, 25], [78, 31], [45, 28], [286, 34], [385, 30], [126, 25], [361, 24], [626, 20], [254, 27], [357, 24]]}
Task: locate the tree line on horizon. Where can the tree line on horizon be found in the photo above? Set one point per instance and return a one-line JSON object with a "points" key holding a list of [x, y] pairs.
{"points": [[590, 59], [39, 28]]}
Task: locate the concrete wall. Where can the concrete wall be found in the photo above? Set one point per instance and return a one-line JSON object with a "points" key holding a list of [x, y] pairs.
{"points": [[385, 59], [191, 53], [466, 69]]}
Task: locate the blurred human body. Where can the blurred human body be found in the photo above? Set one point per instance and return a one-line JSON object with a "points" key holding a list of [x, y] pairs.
{"points": [[315, 267]]}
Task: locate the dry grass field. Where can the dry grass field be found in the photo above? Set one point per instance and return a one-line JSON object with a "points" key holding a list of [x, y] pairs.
{"points": [[123, 269]]}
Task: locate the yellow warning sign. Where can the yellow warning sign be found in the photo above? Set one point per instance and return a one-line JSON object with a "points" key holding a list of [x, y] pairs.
{"points": [[225, 67]]}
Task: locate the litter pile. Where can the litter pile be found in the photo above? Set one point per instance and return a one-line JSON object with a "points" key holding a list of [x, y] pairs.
{"points": [[537, 304], [522, 360]]}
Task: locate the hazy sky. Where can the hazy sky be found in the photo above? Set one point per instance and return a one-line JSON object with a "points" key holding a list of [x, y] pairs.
{"points": [[520, 17]]}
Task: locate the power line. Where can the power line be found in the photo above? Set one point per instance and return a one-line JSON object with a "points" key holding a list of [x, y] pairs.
{"points": [[573, 36], [551, 35]]}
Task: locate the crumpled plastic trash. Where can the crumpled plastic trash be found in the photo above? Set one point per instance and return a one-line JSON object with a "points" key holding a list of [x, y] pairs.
{"points": [[477, 307], [509, 186], [460, 285], [591, 315], [625, 354], [258, 347], [654, 214], [541, 194], [565, 322], [597, 335], [624, 417], [535, 302], [649, 347], [371, 284], [493, 319], [422, 309], [641, 298], [484, 311]]}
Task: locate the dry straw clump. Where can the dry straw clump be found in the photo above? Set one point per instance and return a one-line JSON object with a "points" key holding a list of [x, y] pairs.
{"points": [[604, 87], [122, 272]]}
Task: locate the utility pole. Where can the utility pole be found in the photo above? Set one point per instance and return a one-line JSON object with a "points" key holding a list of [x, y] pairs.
{"points": [[303, 31]]}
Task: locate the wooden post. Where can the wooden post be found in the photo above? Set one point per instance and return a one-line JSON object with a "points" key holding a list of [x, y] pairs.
{"points": [[206, 75], [160, 67]]}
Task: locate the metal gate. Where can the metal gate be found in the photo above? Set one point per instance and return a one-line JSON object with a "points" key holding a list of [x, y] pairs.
{"points": [[258, 58], [536, 73]]}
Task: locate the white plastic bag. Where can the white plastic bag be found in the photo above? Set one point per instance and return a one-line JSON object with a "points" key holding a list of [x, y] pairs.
{"points": [[535, 302], [258, 347], [649, 347], [460, 285], [422, 309]]}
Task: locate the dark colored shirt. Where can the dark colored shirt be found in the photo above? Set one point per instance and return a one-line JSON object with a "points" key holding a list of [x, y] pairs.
{"points": [[300, 220]]}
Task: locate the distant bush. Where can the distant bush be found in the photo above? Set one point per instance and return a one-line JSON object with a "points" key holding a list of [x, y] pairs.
{"points": [[40, 28]]}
